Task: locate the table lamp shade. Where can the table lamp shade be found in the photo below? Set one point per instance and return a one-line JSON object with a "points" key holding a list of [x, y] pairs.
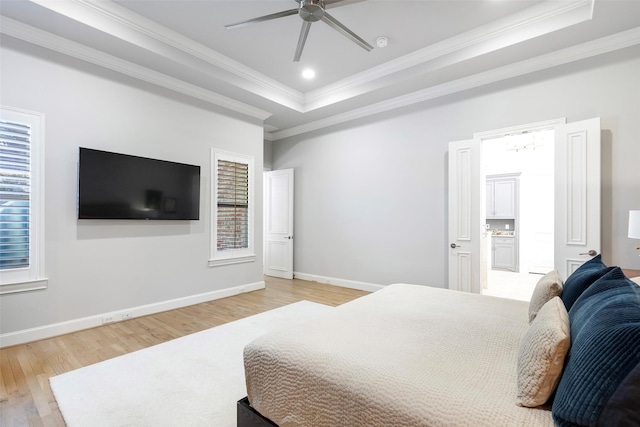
{"points": [[634, 224]]}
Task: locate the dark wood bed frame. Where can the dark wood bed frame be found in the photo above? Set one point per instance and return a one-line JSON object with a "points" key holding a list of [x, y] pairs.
{"points": [[249, 417]]}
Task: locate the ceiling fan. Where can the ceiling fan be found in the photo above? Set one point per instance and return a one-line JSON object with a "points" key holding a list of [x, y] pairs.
{"points": [[310, 11]]}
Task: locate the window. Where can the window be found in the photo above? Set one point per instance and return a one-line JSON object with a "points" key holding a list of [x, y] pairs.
{"points": [[21, 201], [232, 209]]}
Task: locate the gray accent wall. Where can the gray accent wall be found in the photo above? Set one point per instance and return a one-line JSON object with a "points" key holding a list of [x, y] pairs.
{"points": [[371, 195], [100, 266]]}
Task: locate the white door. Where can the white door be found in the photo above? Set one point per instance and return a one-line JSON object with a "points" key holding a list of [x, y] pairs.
{"points": [[278, 223], [467, 247], [577, 194]]}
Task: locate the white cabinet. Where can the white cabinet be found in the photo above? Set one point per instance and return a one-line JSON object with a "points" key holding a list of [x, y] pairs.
{"points": [[503, 253], [502, 196]]}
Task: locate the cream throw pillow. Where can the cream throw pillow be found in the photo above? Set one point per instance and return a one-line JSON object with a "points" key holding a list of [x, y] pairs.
{"points": [[549, 286], [542, 353]]}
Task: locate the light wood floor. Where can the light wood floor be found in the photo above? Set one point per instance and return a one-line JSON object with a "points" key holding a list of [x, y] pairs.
{"points": [[25, 396]]}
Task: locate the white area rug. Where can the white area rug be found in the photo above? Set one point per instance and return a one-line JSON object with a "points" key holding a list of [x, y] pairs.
{"points": [[194, 380]]}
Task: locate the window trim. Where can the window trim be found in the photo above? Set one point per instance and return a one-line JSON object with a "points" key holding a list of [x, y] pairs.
{"points": [[32, 277], [231, 256]]}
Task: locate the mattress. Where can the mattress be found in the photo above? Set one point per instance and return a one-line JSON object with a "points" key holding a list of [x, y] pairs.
{"points": [[407, 355]]}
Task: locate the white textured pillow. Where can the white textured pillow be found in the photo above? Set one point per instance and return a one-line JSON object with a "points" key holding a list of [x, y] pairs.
{"points": [[636, 279], [549, 286], [542, 353]]}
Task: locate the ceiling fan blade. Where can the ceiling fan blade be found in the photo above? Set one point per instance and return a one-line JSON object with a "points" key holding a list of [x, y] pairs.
{"points": [[333, 3], [263, 18], [304, 32], [336, 25]]}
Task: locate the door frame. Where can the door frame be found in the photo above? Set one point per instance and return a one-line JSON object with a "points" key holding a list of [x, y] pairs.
{"points": [[531, 127]]}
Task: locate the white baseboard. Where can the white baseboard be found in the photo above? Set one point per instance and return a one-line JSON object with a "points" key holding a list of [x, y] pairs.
{"points": [[362, 286], [48, 331]]}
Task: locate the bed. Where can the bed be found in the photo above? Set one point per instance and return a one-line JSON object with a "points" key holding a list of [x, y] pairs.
{"points": [[411, 355]]}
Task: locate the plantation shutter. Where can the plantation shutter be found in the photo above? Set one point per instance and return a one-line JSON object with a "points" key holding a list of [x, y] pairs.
{"points": [[15, 190], [233, 205]]}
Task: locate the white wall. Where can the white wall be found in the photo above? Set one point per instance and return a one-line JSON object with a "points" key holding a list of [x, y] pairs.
{"points": [[371, 196], [268, 155], [99, 266]]}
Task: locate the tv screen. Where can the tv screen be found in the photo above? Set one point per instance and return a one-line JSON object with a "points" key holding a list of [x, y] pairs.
{"points": [[120, 186]]}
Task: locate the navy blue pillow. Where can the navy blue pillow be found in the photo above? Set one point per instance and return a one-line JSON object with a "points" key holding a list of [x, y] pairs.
{"points": [[580, 280], [600, 383]]}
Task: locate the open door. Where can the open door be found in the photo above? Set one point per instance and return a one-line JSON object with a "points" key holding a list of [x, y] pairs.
{"points": [[278, 223], [576, 206], [577, 194], [467, 250]]}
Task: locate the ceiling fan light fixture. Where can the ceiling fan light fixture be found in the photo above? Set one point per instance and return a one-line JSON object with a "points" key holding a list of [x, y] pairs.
{"points": [[311, 10]]}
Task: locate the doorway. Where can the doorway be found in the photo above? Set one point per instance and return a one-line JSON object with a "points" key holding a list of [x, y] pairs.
{"points": [[576, 216], [519, 214]]}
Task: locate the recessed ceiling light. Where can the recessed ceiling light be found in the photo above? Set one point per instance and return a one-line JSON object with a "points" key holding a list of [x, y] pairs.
{"points": [[308, 74]]}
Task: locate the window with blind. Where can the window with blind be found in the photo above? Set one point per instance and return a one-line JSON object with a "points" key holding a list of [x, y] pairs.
{"points": [[21, 201], [232, 208], [233, 205]]}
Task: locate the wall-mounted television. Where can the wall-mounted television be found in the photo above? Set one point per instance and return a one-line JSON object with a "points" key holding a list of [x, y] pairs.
{"points": [[121, 186]]}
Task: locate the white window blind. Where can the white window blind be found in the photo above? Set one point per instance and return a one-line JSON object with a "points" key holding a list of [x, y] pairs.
{"points": [[21, 201], [233, 205], [15, 189]]}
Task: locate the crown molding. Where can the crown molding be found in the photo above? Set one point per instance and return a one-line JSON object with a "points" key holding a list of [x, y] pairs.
{"points": [[532, 22], [58, 44], [564, 56], [120, 22], [117, 21]]}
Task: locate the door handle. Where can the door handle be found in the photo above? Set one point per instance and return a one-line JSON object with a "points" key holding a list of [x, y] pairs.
{"points": [[289, 237], [453, 246], [590, 253]]}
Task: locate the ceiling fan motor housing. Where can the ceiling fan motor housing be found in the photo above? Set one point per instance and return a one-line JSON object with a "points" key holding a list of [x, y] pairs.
{"points": [[311, 10]]}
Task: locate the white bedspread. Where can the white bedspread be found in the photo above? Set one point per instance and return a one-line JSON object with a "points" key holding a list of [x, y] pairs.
{"points": [[407, 355]]}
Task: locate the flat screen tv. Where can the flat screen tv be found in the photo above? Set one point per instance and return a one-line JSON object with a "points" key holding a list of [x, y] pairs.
{"points": [[120, 186]]}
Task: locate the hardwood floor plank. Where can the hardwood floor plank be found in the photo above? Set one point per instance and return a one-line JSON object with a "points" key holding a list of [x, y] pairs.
{"points": [[26, 398], [21, 387], [7, 382], [30, 367]]}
